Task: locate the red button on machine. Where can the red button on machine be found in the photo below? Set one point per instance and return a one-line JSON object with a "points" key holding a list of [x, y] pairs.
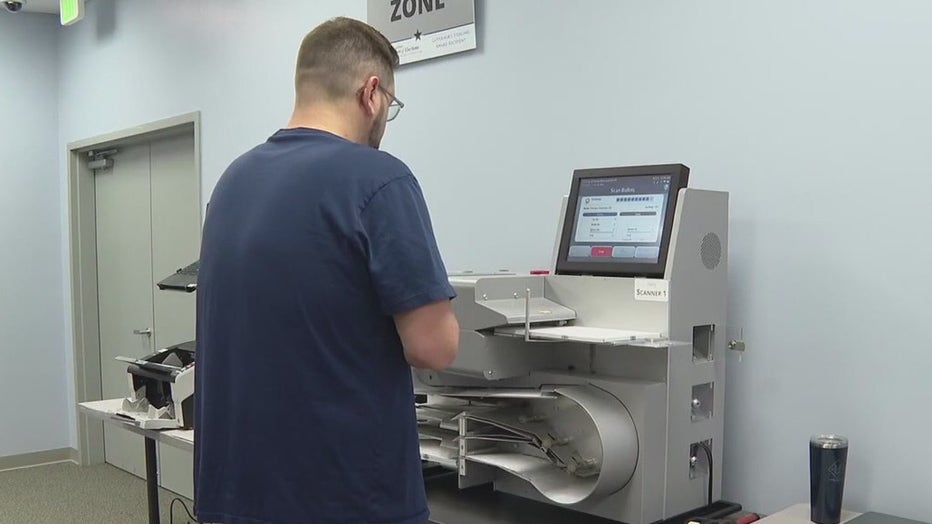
{"points": [[601, 251]]}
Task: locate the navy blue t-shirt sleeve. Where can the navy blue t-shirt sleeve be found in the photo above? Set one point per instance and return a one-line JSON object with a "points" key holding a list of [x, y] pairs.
{"points": [[404, 261]]}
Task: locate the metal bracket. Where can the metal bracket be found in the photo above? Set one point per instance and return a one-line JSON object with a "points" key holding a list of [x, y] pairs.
{"points": [[100, 160], [737, 345], [527, 319], [527, 314]]}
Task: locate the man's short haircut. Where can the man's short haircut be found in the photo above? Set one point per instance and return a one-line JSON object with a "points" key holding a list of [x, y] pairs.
{"points": [[339, 54]]}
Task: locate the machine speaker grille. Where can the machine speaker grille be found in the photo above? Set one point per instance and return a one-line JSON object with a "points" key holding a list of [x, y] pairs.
{"points": [[711, 251]]}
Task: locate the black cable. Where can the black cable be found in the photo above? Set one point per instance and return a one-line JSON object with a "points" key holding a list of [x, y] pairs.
{"points": [[171, 511], [708, 454]]}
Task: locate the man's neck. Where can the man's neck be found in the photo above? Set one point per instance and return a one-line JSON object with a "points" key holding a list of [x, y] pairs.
{"points": [[325, 119]]}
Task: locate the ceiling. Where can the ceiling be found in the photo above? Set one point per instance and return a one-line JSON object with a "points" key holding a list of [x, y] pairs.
{"points": [[41, 6]]}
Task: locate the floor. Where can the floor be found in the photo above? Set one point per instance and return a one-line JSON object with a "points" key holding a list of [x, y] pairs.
{"points": [[66, 493]]}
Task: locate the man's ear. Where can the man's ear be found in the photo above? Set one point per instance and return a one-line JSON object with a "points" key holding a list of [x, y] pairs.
{"points": [[369, 93]]}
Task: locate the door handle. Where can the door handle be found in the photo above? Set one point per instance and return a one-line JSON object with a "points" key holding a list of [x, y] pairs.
{"points": [[147, 332]]}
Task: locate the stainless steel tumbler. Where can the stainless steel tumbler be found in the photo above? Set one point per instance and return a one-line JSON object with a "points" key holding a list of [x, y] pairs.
{"points": [[828, 457]]}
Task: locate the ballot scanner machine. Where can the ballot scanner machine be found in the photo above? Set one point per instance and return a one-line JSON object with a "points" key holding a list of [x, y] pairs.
{"points": [[161, 385], [598, 387]]}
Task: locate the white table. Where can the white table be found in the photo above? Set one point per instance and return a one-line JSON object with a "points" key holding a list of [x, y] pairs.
{"points": [[106, 410], [182, 439], [799, 514], [446, 499]]}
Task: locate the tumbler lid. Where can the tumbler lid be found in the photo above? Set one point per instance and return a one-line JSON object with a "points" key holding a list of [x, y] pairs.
{"points": [[829, 441]]}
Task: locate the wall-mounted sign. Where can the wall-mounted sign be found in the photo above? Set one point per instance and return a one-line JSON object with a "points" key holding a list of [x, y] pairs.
{"points": [[423, 29]]}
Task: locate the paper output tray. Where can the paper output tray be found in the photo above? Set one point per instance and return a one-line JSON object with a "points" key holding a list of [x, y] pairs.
{"points": [[571, 443], [588, 335]]}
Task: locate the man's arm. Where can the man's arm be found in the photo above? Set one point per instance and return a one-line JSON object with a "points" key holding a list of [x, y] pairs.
{"points": [[409, 275], [430, 335]]}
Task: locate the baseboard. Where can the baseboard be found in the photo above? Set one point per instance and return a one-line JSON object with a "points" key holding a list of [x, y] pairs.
{"points": [[39, 458]]}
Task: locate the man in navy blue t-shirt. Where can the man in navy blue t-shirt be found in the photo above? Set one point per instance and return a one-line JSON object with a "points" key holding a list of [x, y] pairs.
{"points": [[320, 284]]}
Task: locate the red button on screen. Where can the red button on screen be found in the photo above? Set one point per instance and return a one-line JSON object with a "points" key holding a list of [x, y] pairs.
{"points": [[601, 251]]}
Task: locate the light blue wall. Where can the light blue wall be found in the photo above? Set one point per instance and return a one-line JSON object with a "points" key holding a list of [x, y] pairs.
{"points": [[814, 115], [32, 361]]}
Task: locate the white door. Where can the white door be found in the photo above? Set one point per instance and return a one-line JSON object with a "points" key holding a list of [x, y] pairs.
{"points": [[124, 291], [148, 226], [176, 242]]}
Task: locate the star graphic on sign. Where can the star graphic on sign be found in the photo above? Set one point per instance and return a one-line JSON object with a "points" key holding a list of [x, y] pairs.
{"points": [[417, 36]]}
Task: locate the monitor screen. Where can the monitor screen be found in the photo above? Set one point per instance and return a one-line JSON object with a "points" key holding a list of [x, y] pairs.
{"points": [[618, 220]]}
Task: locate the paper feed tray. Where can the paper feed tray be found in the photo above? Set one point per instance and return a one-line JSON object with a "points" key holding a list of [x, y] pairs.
{"points": [[185, 279]]}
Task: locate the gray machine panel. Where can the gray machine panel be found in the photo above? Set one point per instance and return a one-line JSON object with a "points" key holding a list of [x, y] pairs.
{"points": [[496, 301]]}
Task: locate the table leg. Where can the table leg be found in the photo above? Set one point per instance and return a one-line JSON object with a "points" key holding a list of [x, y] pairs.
{"points": [[152, 481]]}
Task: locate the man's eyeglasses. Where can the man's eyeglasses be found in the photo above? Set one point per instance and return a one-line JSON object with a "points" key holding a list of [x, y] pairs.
{"points": [[394, 106]]}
